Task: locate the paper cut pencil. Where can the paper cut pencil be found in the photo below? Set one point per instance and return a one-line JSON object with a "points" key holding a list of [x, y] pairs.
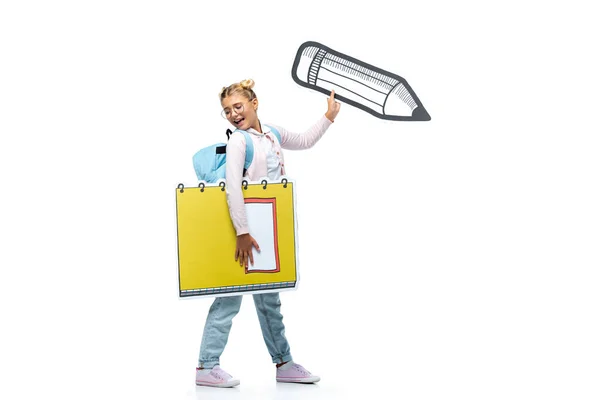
{"points": [[378, 92]]}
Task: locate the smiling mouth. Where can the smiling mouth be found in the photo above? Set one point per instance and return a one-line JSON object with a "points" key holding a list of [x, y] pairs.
{"points": [[239, 121]]}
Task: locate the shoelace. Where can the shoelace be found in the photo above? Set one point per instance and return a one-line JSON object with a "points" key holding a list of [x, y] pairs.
{"points": [[222, 375], [301, 370]]}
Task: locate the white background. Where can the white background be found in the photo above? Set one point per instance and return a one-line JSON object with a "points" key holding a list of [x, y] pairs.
{"points": [[450, 259]]}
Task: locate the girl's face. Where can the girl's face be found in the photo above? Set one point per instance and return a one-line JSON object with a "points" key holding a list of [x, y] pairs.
{"points": [[240, 111]]}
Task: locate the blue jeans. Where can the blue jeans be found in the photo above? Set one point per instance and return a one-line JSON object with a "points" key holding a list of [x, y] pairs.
{"points": [[219, 321]]}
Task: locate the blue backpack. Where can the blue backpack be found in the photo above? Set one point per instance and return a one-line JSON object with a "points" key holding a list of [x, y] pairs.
{"points": [[209, 162]]}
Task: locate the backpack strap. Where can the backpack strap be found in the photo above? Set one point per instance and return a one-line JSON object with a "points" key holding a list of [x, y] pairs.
{"points": [[249, 148], [275, 132], [249, 151], [250, 144]]}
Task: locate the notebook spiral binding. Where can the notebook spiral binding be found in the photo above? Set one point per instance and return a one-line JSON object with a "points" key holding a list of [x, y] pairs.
{"points": [[202, 185]]}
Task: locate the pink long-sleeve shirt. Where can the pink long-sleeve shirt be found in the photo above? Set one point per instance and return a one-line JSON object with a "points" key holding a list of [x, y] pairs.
{"points": [[268, 162]]}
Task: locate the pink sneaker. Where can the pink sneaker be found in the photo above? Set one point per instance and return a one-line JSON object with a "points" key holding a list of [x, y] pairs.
{"points": [[295, 373], [215, 378]]}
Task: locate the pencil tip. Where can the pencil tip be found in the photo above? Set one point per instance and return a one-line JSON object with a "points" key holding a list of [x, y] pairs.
{"points": [[420, 114]]}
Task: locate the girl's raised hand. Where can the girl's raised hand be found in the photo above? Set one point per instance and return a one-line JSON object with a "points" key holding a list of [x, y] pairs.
{"points": [[243, 250], [333, 107]]}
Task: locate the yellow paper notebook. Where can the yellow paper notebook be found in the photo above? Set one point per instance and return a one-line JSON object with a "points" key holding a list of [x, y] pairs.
{"points": [[206, 239]]}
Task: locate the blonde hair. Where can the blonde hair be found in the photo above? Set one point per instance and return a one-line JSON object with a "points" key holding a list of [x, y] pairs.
{"points": [[243, 88]]}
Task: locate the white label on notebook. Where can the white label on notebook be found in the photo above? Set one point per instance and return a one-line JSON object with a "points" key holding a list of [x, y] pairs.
{"points": [[262, 228]]}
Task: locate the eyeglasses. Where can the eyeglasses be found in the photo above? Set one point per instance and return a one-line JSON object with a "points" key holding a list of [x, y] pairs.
{"points": [[238, 107]]}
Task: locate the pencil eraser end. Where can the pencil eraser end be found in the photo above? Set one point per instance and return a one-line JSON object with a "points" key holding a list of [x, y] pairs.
{"points": [[304, 64]]}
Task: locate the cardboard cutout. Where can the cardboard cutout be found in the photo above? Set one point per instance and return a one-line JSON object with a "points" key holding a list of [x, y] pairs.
{"points": [[378, 92], [206, 240]]}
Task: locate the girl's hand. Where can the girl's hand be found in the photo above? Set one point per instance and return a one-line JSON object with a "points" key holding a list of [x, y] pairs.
{"points": [[243, 250], [333, 107]]}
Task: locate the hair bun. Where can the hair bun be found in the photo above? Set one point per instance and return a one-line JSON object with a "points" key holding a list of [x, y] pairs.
{"points": [[247, 84]]}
